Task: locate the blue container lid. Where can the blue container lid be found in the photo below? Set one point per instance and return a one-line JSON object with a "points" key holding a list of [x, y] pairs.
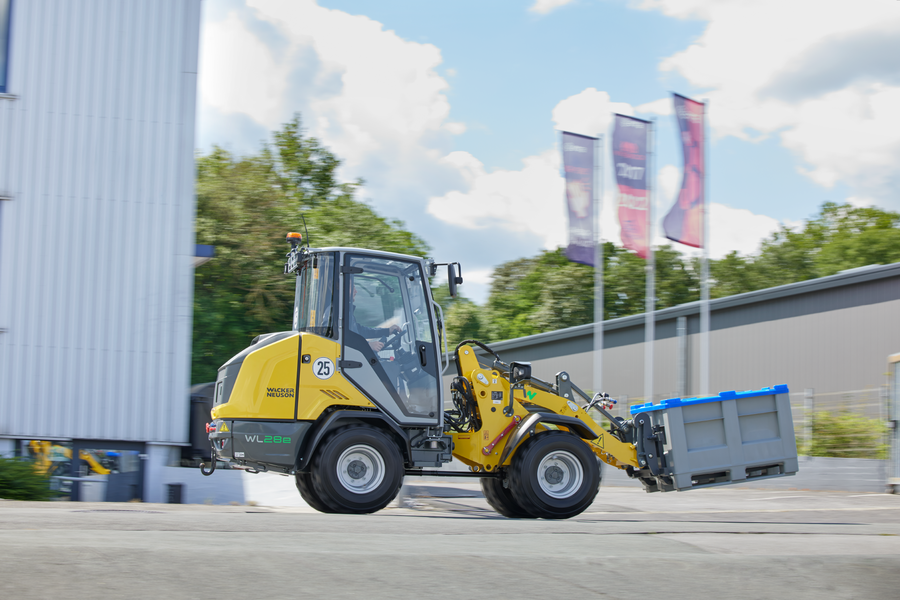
{"points": [[673, 402]]}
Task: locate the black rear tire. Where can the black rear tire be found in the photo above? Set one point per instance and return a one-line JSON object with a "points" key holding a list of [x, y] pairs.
{"points": [[305, 487], [501, 499], [554, 475], [356, 470]]}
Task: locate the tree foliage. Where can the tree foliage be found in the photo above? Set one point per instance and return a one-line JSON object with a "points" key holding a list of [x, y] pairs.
{"points": [[839, 237], [245, 206], [547, 292]]}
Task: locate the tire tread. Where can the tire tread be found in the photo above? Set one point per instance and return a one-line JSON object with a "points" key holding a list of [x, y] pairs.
{"points": [[501, 500], [321, 488]]}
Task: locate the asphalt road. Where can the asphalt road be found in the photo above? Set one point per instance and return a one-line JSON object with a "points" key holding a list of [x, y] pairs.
{"points": [[706, 544]]}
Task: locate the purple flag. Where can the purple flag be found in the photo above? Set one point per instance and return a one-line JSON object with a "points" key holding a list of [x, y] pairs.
{"points": [[684, 223], [578, 164], [630, 161]]}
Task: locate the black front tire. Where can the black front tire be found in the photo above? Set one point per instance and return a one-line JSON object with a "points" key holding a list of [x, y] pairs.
{"points": [[356, 470], [501, 499], [554, 475], [305, 487]]}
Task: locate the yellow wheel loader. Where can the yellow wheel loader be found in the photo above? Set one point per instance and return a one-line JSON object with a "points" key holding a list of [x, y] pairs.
{"points": [[351, 401]]}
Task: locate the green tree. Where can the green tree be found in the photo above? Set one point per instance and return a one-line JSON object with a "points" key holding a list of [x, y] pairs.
{"points": [[856, 237], [734, 274], [838, 237], [464, 322], [510, 300], [677, 279], [245, 206], [548, 292]]}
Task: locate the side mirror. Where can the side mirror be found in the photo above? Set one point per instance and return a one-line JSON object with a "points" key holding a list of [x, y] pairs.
{"points": [[451, 279]]}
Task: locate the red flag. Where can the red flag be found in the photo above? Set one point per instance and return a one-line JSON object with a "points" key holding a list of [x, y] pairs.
{"points": [[630, 162]]}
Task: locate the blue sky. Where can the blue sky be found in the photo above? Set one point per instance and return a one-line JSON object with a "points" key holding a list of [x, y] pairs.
{"points": [[450, 111]]}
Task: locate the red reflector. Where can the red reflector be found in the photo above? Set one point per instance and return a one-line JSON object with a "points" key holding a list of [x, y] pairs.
{"points": [[210, 427]]}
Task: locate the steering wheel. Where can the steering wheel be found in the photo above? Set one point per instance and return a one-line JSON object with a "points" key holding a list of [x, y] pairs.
{"points": [[392, 341]]}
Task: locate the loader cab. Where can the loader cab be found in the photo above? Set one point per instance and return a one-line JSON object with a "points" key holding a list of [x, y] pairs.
{"points": [[378, 307]]}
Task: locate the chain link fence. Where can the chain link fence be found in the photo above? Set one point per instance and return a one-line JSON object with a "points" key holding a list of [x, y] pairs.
{"points": [[851, 424]]}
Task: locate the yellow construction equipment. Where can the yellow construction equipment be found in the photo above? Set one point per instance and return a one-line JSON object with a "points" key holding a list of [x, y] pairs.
{"points": [[50, 457], [350, 400]]}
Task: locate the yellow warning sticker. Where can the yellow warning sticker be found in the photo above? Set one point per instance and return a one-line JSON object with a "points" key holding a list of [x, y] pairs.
{"points": [[224, 427]]}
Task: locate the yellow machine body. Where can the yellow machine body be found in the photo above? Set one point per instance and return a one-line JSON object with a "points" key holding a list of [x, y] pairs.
{"points": [[258, 391], [265, 384], [315, 395]]}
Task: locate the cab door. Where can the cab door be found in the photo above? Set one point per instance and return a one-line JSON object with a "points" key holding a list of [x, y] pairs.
{"points": [[399, 371]]}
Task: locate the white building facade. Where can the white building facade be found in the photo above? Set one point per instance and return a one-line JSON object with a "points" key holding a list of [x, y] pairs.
{"points": [[97, 111]]}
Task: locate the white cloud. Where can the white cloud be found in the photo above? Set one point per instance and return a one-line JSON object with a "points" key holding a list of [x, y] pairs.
{"points": [[662, 107], [859, 202], [227, 80], [588, 113], [281, 57], [544, 7], [820, 75], [529, 200], [737, 229], [669, 184]]}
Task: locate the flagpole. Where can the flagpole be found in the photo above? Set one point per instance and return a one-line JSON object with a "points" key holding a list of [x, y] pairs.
{"points": [[704, 271], [598, 265], [650, 322]]}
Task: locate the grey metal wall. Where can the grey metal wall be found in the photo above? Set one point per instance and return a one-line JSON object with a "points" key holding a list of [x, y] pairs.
{"points": [[832, 335], [96, 240]]}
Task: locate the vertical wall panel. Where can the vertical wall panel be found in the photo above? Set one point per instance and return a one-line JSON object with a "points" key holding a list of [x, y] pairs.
{"points": [[95, 265]]}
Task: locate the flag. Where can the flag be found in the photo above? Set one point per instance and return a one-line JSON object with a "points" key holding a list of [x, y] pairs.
{"points": [[630, 163], [578, 165], [684, 223]]}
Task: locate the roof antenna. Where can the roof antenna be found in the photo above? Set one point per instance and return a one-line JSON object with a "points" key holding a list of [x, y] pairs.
{"points": [[305, 229]]}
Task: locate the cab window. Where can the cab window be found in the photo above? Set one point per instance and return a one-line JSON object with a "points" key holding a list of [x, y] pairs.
{"points": [[314, 298]]}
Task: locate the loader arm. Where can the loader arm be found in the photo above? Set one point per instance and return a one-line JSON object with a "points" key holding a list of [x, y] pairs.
{"points": [[534, 408], [606, 446]]}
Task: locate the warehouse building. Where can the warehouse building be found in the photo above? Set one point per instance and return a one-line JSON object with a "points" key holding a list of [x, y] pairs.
{"points": [[828, 339], [97, 251]]}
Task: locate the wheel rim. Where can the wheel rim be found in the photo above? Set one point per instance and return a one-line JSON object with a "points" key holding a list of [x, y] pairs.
{"points": [[560, 474], [360, 469]]}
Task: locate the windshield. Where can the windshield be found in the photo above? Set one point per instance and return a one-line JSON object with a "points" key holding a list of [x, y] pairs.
{"points": [[314, 297]]}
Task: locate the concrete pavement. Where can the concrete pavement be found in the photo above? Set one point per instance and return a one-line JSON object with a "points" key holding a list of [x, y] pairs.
{"points": [[713, 543]]}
